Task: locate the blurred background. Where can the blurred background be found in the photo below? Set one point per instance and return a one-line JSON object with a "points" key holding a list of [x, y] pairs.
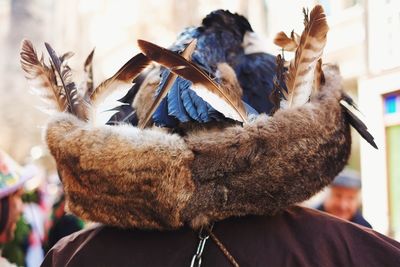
{"points": [[364, 40]]}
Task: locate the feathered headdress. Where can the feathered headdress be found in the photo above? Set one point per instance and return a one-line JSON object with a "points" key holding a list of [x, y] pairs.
{"points": [[149, 178]]}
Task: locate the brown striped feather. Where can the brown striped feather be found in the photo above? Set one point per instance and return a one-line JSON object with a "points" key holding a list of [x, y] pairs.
{"points": [[300, 79], [41, 78]]}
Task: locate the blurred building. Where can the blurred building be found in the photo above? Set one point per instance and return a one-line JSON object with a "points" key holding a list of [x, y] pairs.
{"points": [[379, 98]]}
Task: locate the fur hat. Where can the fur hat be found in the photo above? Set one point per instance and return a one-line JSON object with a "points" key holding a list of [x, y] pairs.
{"points": [[128, 177]]}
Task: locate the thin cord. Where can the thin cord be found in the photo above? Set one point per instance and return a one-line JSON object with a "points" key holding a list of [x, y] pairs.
{"points": [[222, 248]]}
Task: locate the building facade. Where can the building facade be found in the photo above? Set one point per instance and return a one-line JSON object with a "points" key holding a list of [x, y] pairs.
{"points": [[364, 39], [379, 98]]}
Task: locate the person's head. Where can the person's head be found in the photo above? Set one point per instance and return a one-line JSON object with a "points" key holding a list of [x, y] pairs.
{"points": [[343, 198], [10, 197]]}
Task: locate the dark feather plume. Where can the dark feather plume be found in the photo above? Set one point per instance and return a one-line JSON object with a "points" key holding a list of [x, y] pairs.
{"points": [[279, 80], [351, 111], [350, 101], [65, 76]]}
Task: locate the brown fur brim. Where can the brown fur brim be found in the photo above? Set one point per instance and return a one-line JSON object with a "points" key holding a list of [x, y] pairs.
{"points": [[271, 163], [121, 175], [126, 177]]}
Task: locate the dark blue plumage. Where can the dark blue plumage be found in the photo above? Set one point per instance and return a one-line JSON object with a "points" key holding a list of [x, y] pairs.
{"points": [[126, 114], [255, 74], [219, 39], [162, 117]]}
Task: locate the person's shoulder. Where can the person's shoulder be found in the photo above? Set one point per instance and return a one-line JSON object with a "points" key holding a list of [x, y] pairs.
{"points": [[323, 220], [300, 236], [342, 236], [359, 219], [69, 245], [78, 236]]}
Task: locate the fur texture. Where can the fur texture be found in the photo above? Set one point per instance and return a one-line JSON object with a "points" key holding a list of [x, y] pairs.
{"points": [[121, 175], [271, 163], [127, 177]]}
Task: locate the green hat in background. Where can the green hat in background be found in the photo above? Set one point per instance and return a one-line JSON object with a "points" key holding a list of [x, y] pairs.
{"points": [[12, 176]]}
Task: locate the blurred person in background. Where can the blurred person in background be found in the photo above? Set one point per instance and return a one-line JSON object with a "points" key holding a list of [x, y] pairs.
{"points": [[344, 198], [35, 215], [11, 184], [62, 224]]}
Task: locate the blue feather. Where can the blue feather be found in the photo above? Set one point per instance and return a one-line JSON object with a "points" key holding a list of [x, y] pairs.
{"points": [[161, 117], [196, 106], [175, 103]]}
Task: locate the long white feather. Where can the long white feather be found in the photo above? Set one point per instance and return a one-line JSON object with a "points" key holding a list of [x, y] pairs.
{"points": [[218, 103]]}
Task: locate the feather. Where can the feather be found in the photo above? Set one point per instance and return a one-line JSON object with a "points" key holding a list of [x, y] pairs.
{"points": [[64, 58], [161, 117], [75, 105], [354, 118], [218, 97], [350, 101], [295, 37], [195, 106], [88, 86], [278, 91], [175, 105], [170, 80], [41, 78], [227, 79], [285, 42], [125, 114], [123, 77], [300, 78], [319, 78]]}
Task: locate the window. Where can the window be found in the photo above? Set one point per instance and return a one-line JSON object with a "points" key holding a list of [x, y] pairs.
{"points": [[392, 123], [392, 104]]}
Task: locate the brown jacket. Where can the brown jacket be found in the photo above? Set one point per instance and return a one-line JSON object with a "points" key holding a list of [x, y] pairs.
{"points": [[295, 237]]}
